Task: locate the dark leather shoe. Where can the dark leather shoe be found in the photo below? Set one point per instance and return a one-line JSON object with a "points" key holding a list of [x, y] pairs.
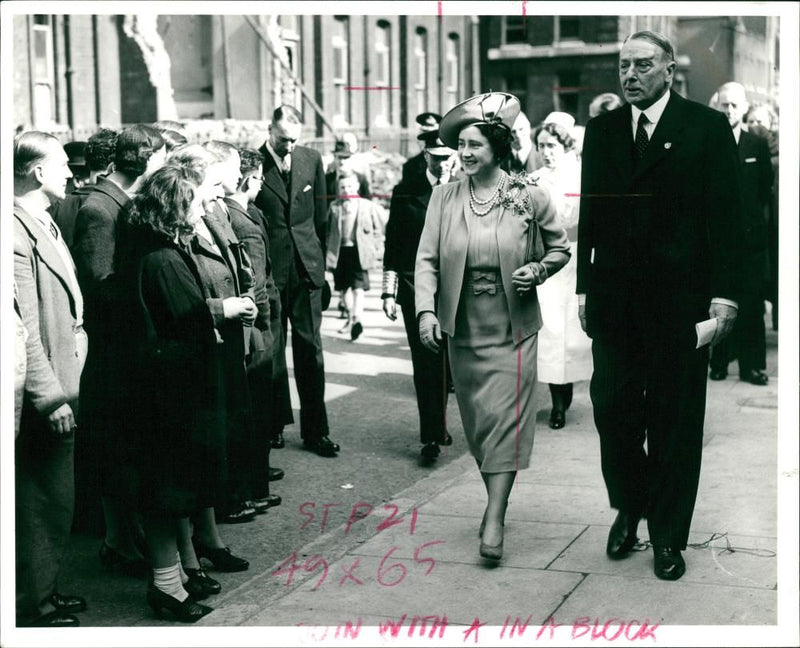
{"points": [[557, 419], [278, 442], [222, 558], [262, 504], [275, 474], [448, 441], [622, 535], [718, 374], [324, 447], [66, 603], [754, 377], [668, 563], [113, 561], [200, 585], [56, 619], [245, 514], [430, 450], [356, 330]]}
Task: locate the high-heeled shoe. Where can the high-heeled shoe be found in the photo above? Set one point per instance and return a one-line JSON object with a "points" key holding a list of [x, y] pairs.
{"points": [[221, 558], [200, 585], [187, 611], [492, 552]]}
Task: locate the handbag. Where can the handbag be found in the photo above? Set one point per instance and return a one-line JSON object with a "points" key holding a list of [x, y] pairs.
{"points": [[534, 245]]}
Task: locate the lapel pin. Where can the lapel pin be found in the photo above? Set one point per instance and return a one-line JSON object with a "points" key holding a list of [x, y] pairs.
{"points": [[667, 145]]}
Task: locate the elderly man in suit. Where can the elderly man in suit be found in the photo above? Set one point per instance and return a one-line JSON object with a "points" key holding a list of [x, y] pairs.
{"points": [[658, 251], [523, 158], [749, 336], [51, 306], [293, 200], [407, 211]]}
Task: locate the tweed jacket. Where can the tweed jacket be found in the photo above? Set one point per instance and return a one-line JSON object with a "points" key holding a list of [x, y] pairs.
{"points": [[367, 232], [442, 256], [55, 355]]}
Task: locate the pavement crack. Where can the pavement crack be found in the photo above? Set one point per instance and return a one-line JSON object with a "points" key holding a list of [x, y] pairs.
{"points": [[564, 598], [561, 553]]}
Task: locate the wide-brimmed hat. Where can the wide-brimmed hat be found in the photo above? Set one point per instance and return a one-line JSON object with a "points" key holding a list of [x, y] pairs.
{"points": [[488, 107], [433, 143]]}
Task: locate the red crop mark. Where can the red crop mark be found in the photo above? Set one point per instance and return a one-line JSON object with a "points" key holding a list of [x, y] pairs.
{"points": [[439, 8], [373, 88]]}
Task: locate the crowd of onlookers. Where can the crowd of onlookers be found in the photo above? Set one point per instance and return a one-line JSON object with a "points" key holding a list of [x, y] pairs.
{"points": [[157, 281]]}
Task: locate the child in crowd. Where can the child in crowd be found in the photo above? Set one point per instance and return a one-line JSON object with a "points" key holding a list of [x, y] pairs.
{"points": [[355, 226]]}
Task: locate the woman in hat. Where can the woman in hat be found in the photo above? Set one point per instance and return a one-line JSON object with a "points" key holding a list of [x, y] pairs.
{"points": [[475, 285]]}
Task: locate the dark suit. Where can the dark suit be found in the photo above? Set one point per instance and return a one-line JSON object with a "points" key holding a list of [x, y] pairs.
{"points": [[749, 334], [512, 164], [65, 211], [414, 167], [403, 230], [55, 353], [657, 240], [297, 227]]}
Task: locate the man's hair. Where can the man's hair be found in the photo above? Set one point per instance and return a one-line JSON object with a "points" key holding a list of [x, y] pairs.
{"points": [[169, 124], [288, 114], [249, 160], [134, 147], [30, 148], [101, 149], [221, 150], [173, 139], [605, 102], [656, 39]]}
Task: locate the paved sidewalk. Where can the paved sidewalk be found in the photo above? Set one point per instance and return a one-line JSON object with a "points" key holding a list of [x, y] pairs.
{"points": [[416, 562]]}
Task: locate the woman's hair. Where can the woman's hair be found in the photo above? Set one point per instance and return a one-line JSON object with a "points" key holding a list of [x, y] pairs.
{"points": [[135, 145], [30, 148], [173, 139], [194, 157], [164, 201], [557, 131], [499, 136]]}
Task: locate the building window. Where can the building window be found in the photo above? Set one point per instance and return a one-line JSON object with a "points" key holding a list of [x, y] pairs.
{"points": [[288, 91], [565, 96], [452, 67], [341, 71], [517, 85], [43, 77], [514, 30], [567, 28], [421, 63], [383, 72]]}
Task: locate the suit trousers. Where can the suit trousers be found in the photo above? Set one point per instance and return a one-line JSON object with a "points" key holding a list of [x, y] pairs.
{"points": [[45, 500], [647, 387], [430, 381], [282, 414], [302, 306]]}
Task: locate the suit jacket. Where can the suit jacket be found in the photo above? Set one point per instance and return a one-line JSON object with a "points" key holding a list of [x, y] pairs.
{"points": [[442, 256], [407, 212], [512, 164], [659, 238], [414, 167], [297, 220], [367, 232], [757, 180], [54, 353], [64, 212]]}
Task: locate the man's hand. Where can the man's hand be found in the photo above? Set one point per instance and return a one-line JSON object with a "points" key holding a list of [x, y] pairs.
{"points": [[582, 316], [429, 332], [726, 316], [390, 308], [62, 421]]}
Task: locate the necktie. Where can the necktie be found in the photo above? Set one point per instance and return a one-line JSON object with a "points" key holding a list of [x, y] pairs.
{"points": [[286, 174], [641, 141]]}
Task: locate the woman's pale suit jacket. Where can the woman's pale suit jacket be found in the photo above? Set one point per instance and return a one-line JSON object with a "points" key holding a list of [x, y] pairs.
{"points": [[442, 255]]}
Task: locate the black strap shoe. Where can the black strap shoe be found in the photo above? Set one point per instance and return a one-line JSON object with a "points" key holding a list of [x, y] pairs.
{"points": [[263, 503], [222, 558], [55, 619], [66, 603], [622, 535], [668, 563]]}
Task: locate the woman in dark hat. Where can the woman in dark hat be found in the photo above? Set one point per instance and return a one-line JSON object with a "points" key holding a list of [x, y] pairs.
{"points": [[475, 285]]}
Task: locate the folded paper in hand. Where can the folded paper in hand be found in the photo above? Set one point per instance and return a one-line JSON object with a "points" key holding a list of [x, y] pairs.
{"points": [[705, 331]]}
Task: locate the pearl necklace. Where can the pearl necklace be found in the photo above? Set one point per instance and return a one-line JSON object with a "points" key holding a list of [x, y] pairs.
{"points": [[473, 199]]}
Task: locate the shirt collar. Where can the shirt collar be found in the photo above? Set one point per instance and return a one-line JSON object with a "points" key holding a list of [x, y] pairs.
{"points": [[653, 112], [737, 133], [524, 153], [281, 162], [41, 215], [432, 178]]}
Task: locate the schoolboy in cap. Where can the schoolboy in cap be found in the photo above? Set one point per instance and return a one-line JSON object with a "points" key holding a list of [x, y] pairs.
{"points": [[343, 150], [406, 218]]}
